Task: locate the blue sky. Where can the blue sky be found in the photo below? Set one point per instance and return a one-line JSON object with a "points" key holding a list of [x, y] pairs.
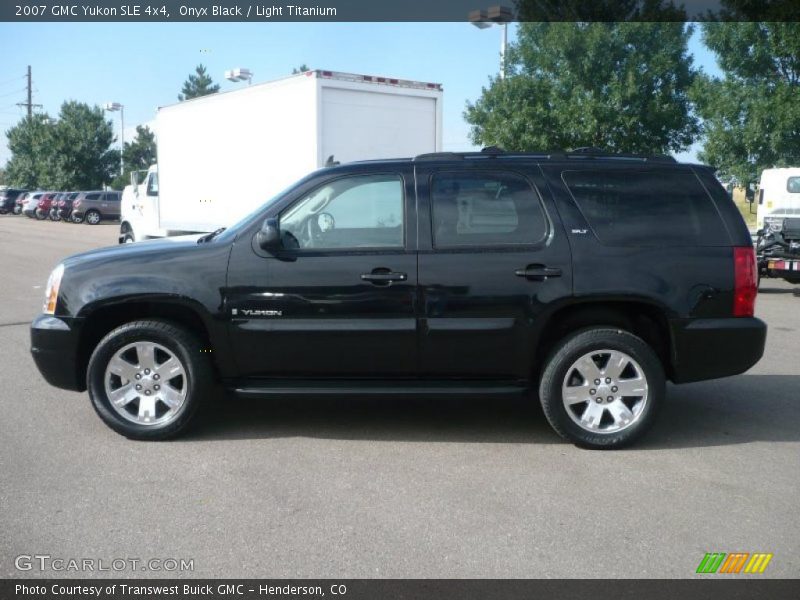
{"points": [[144, 65]]}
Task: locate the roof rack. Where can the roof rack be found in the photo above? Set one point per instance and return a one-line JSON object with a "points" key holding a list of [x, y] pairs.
{"points": [[584, 153]]}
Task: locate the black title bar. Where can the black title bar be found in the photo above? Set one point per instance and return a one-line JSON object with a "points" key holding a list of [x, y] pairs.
{"points": [[744, 588], [405, 10]]}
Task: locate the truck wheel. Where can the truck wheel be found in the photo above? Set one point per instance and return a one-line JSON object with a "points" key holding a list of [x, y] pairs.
{"points": [[601, 388], [92, 217], [147, 379]]}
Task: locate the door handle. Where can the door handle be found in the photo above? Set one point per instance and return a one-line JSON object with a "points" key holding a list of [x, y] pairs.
{"points": [[383, 276], [537, 272]]}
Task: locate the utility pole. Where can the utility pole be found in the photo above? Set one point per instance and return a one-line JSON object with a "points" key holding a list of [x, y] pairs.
{"points": [[29, 104]]}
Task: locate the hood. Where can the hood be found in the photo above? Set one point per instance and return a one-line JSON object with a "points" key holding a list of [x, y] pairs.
{"points": [[145, 250]]}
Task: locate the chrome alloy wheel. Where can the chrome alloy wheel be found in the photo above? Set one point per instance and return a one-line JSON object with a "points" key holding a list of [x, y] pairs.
{"points": [[604, 391], [146, 383], [93, 218]]}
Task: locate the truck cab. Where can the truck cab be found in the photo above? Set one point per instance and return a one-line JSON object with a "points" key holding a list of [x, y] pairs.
{"points": [[139, 211], [778, 222]]}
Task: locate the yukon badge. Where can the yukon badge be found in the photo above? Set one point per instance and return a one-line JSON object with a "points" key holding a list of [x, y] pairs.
{"points": [[247, 312]]}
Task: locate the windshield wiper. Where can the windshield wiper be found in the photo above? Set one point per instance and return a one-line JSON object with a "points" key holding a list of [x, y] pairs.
{"points": [[210, 236]]}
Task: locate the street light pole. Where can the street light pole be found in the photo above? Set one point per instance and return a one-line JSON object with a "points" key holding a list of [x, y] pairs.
{"points": [[494, 15], [113, 107]]}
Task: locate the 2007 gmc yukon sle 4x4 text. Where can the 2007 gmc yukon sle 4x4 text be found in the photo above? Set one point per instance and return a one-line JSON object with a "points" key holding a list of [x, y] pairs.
{"points": [[589, 279]]}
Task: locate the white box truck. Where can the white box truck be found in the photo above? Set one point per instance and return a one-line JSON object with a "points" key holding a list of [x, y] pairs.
{"points": [[221, 156]]}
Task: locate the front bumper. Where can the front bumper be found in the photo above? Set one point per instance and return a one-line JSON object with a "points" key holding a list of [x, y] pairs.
{"points": [[54, 346], [711, 348]]}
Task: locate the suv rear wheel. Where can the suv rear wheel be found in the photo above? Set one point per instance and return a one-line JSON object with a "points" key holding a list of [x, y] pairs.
{"points": [[147, 379], [601, 388]]}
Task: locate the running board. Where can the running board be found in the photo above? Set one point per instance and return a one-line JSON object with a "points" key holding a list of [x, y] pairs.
{"points": [[274, 388]]}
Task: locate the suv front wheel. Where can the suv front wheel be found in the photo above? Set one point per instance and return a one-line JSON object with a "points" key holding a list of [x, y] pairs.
{"points": [[147, 379], [601, 388]]}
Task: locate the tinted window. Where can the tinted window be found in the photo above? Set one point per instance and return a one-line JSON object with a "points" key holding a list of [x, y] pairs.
{"points": [[92, 197], [793, 185], [112, 197], [484, 209], [73, 195], [352, 212], [647, 208]]}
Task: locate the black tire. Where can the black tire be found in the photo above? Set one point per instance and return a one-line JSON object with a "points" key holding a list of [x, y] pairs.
{"points": [[17, 210], [92, 217], [75, 219], [40, 216], [184, 345], [54, 216], [562, 359]]}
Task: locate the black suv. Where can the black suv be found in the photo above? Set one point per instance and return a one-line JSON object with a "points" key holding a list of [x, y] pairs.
{"points": [[586, 279]]}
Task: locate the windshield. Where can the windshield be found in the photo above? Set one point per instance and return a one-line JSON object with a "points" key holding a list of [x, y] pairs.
{"points": [[232, 231]]}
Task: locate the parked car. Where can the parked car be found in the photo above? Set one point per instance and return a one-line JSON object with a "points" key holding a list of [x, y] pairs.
{"points": [[53, 212], [96, 206], [31, 203], [584, 279], [8, 198], [65, 207], [45, 203], [18, 203]]}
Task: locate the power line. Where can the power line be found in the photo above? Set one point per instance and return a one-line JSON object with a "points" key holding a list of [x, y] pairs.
{"points": [[11, 93], [12, 80]]}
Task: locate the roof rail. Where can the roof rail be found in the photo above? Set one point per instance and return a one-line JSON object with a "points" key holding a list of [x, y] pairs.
{"points": [[583, 153]]}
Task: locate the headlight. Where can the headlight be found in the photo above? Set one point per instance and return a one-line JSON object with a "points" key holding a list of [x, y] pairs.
{"points": [[51, 292], [773, 224]]}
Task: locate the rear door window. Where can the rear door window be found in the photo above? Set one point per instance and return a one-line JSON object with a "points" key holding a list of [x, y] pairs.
{"points": [[92, 196], [647, 208], [481, 209]]}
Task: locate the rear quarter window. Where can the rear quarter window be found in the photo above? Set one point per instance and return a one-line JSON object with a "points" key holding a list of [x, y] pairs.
{"points": [[793, 185], [647, 208]]}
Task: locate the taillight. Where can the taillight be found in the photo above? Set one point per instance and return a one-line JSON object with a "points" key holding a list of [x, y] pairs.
{"points": [[745, 281], [76, 204]]}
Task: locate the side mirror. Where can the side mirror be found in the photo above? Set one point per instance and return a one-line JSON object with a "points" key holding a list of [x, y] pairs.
{"points": [[269, 236]]}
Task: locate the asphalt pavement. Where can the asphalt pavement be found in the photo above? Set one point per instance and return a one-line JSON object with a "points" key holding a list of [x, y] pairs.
{"points": [[391, 488]]}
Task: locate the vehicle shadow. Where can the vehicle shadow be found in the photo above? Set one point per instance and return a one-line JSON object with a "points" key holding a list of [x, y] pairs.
{"points": [[737, 410]]}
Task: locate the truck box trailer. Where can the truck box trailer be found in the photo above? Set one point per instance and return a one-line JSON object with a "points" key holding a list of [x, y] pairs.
{"points": [[221, 156]]}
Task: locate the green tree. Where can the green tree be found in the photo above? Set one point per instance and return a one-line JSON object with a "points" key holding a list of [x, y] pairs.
{"points": [[752, 113], [82, 154], [617, 86], [31, 144], [138, 155], [301, 69], [198, 84], [72, 152]]}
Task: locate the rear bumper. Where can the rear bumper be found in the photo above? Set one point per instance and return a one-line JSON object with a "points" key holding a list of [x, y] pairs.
{"points": [[54, 346], [711, 348]]}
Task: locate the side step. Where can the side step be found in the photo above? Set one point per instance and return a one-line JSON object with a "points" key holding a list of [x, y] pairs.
{"points": [[266, 388]]}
